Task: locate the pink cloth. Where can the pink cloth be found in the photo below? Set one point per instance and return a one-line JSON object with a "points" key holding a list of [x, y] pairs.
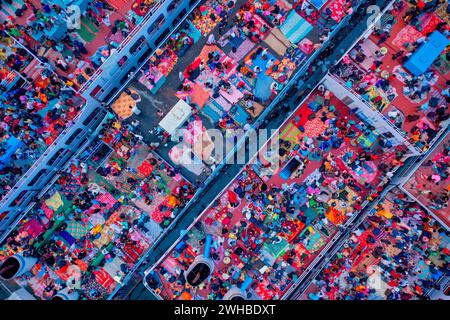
{"points": [[306, 45]]}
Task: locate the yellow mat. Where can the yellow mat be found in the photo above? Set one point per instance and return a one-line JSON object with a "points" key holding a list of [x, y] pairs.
{"points": [[124, 105]]}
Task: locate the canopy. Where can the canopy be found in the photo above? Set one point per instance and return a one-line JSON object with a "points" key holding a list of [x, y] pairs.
{"points": [[176, 117], [422, 59]]}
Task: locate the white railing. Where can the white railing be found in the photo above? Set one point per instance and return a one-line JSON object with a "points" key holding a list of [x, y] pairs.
{"points": [[35, 57], [39, 161]]}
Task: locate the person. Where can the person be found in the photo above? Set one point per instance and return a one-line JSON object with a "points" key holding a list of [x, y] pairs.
{"points": [[181, 76], [393, 114], [398, 55], [250, 105], [383, 37], [412, 117], [270, 63], [211, 39], [106, 20]]}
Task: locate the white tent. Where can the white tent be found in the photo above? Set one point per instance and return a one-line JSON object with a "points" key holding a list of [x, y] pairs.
{"points": [[176, 117]]}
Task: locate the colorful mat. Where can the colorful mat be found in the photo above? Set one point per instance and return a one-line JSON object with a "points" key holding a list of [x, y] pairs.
{"points": [[337, 8], [76, 229], [193, 32], [124, 105], [199, 96], [407, 36], [295, 28], [242, 50], [277, 41], [262, 87]]}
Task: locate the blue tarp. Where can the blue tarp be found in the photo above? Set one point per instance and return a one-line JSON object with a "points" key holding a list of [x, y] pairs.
{"points": [[193, 32], [12, 144], [422, 59], [238, 114]]}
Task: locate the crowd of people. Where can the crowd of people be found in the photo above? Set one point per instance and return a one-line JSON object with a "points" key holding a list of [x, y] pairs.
{"points": [[41, 59], [248, 57], [33, 112], [375, 69], [110, 204], [399, 252], [440, 166], [430, 184], [323, 11]]}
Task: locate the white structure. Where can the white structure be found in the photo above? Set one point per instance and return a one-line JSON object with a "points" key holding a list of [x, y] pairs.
{"points": [[178, 115]]}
